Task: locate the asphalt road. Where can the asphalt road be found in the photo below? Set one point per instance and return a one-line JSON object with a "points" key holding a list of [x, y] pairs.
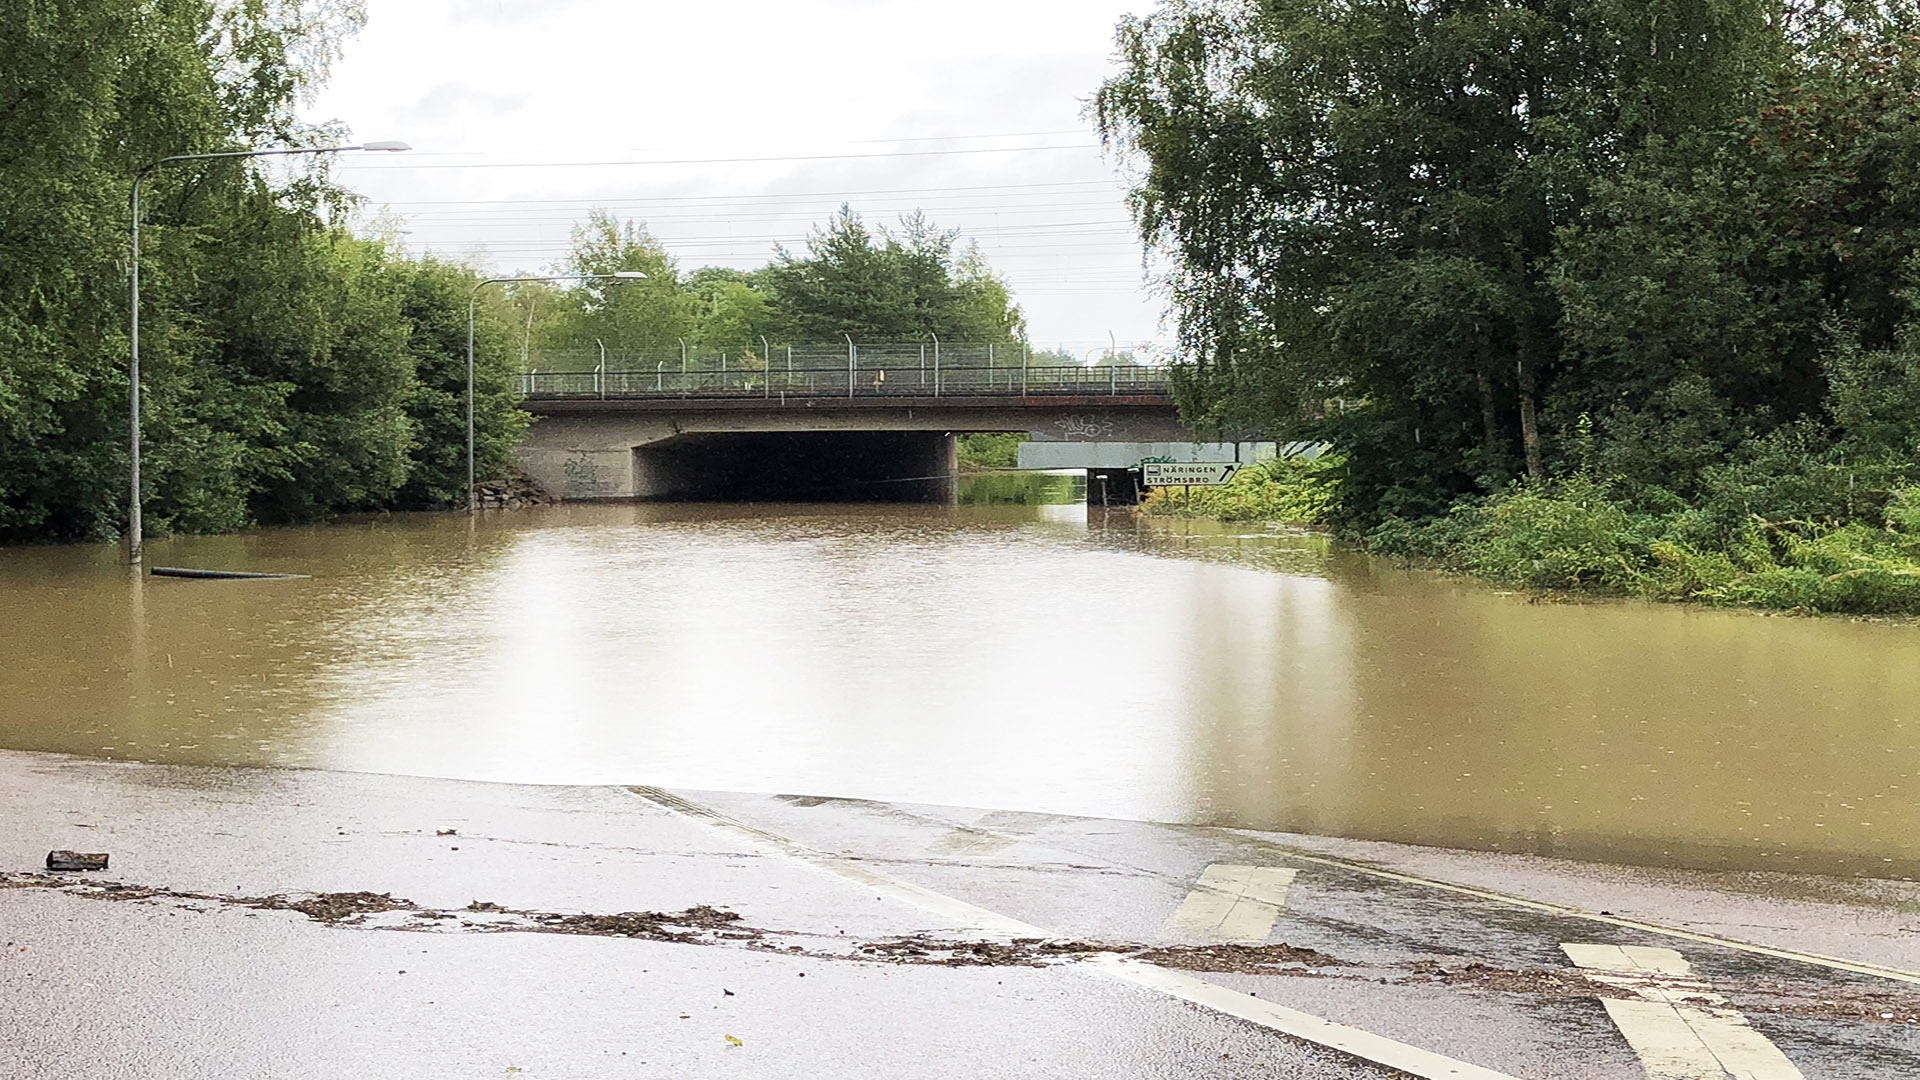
{"points": [[272, 923]]}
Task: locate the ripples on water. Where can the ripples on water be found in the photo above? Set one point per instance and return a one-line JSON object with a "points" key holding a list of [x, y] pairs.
{"points": [[1025, 657]]}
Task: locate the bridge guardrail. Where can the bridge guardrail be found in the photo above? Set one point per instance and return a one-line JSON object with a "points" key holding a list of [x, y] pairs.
{"points": [[872, 379]]}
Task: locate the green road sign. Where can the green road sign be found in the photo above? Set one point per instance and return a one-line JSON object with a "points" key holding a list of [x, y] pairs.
{"points": [[1187, 473]]}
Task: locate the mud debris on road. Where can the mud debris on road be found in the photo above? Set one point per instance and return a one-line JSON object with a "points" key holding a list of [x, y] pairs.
{"points": [[651, 925], [709, 925], [1544, 982], [353, 909], [1277, 959], [327, 907], [945, 952]]}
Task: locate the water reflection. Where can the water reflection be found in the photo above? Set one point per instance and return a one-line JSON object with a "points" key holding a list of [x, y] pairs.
{"points": [[1000, 655]]}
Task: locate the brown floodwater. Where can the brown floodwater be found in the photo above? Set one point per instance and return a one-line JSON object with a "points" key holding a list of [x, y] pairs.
{"points": [[1011, 657]]}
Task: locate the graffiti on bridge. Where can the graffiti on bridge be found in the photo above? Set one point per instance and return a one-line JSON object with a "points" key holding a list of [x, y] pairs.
{"points": [[583, 477], [1089, 426]]}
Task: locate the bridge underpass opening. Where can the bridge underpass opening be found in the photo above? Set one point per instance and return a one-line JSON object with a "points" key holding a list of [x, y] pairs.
{"points": [[811, 466]]}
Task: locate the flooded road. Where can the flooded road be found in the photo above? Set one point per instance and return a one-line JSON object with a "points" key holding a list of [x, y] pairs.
{"points": [[1001, 656]]}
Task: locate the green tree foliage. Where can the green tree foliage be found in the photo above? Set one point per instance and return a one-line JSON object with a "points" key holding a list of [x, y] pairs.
{"points": [[991, 449], [734, 309], [1664, 250], [651, 313], [433, 295], [884, 287], [290, 368], [1362, 200], [891, 287]]}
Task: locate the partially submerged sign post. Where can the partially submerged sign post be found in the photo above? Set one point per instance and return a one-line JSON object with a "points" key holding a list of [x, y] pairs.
{"points": [[1187, 473]]}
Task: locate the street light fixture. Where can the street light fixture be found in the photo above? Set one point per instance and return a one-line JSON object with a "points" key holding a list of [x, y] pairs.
{"points": [[135, 540], [473, 299]]}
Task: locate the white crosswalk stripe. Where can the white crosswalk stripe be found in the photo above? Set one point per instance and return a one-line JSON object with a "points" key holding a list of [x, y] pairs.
{"points": [[1231, 905], [1678, 1026]]}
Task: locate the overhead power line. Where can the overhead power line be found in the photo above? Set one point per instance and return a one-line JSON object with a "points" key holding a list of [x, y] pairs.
{"points": [[1028, 228], [536, 216], [725, 161], [956, 138], [989, 241], [590, 202]]}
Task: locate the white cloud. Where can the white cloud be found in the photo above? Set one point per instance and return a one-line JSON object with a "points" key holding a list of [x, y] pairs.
{"points": [[492, 92]]}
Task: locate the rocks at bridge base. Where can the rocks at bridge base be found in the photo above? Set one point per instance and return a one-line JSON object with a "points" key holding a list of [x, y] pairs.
{"points": [[511, 493]]}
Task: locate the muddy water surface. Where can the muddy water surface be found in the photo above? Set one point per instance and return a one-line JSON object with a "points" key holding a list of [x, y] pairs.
{"points": [[1001, 656]]}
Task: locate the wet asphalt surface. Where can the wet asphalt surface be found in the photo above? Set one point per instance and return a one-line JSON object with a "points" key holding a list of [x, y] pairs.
{"points": [[216, 960]]}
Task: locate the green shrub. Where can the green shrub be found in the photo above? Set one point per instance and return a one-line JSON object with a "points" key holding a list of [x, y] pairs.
{"points": [[1789, 474], [1681, 571], [1784, 525], [1566, 538], [1903, 516], [1574, 536]]}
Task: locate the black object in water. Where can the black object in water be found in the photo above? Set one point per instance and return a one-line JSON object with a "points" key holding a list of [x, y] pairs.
{"points": [[185, 572]]}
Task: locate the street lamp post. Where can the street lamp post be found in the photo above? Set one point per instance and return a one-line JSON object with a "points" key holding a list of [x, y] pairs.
{"points": [[135, 539], [473, 299]]}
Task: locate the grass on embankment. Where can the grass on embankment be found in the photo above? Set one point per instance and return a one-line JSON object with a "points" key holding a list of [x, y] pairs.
{"points": [[1576, 537]]}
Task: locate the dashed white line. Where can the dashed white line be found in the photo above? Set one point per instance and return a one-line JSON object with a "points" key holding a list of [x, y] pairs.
{"points": [[1232, 904], [1678, 1026]]}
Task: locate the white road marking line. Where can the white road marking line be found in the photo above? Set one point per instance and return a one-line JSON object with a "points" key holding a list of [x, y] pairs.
{"points": [[1232, 904], [1858, 967], [1665, 1043], [1365, 1045], [1632, 960], [1678, 1026], [1348, 1040]]}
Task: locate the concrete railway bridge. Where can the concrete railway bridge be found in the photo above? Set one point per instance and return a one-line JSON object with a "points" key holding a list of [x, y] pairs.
{"points": [[865, 429]]}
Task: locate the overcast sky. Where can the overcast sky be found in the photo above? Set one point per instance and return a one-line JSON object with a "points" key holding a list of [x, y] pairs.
{"points": [[730, 127]]}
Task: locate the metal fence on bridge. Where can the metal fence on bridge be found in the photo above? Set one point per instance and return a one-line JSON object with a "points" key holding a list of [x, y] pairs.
{"points": [[912, 370]]}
